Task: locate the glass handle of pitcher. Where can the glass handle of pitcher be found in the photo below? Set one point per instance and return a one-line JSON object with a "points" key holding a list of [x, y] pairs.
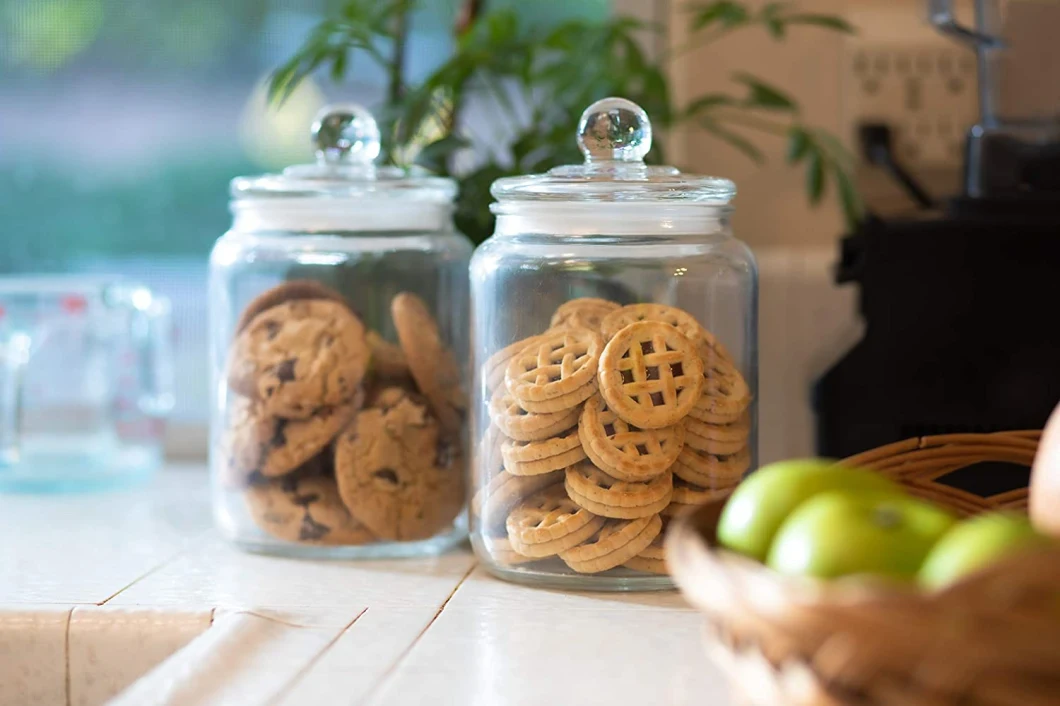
{"points": [[14, 355], [941, 14], [152, 332]]}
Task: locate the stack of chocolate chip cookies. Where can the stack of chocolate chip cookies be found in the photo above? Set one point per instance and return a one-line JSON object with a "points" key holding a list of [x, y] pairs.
{"points": [[602, 427], [333, 434]]}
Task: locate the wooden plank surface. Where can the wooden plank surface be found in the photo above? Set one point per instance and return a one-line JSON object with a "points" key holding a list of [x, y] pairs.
{"points": [[435, 630]]}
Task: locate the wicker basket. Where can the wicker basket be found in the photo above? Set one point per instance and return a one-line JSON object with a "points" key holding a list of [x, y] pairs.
{"points": [[990, 640]]}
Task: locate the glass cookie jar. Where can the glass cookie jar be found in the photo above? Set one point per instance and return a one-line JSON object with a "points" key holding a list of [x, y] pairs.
{"points": [[338, 313], [615, 353]]}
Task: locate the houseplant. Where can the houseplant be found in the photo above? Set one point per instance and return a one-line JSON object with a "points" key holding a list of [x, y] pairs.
{"points": [[538, 79]]}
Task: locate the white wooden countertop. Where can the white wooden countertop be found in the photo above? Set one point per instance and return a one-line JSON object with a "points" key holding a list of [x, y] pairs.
{"points": [[109, 573]]}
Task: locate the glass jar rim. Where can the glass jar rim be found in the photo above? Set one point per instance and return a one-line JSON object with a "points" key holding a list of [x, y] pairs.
{"points": [[676, 218]]}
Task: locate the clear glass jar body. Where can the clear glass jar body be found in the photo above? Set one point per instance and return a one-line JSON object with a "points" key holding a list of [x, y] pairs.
{"points": [[339, 433], [522, 282]]}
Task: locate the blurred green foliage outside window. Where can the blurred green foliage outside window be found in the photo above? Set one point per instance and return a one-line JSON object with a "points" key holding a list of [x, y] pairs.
{"points": [[121, 123]]}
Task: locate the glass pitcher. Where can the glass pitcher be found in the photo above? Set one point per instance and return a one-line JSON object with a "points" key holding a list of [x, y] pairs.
{"points": [[85, 383]]}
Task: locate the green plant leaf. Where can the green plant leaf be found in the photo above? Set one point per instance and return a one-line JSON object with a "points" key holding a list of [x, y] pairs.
{"points": [[502, 26], [762, 95], [707, 102], [435, 156], [735, 139], [338, 66], [725, 13], [815, 177], [825, 21], [775, 26], [798, 144], [849, 199]]}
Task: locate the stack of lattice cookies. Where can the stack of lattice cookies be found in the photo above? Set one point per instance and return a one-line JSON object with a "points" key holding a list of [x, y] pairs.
{"points": [[334, 435], [610, 422]]}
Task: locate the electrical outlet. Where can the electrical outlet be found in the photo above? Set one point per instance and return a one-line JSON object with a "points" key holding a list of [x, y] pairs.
{"points": [[925, 90]]}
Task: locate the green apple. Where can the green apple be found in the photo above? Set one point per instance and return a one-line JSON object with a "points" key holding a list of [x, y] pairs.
{"points": [[843, 532], [761, 503], [976, 542]]}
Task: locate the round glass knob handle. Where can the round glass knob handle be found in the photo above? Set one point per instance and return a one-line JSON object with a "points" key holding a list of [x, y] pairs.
{"points": [[614, 129], [345, 133]]}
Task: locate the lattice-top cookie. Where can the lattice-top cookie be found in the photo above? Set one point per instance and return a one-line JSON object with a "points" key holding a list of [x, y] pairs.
{"points": [[651, 374], [522, 451], [585, 312], [588, 481], [616, 542], [725, 392], [625, 451], [559, 363], [521, 425], [631, 314], [545, 516], [494, 367]]}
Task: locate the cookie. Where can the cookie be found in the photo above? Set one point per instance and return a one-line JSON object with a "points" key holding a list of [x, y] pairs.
{"points": [[725, 394], [285, 292], [634, 313], [547, 523], [305, 509], [615, 543], [537, 457], [718, 439], [650, 374], [710, 470], [563, 402], [299, 356], [601, 494], [490, 458], [398, 473], [495, 500], [386, 359], [273, 446], [651, 560], [585, 312], [500, 550], [519, 424], [560, 364], [430, 361], [522, 451], [687, 495], [242, 448], [624, 451], [546, 465], [496, 364]]}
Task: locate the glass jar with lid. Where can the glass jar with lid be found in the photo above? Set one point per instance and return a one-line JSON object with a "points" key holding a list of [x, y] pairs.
{"points": [[615, 361], [338, 316]]}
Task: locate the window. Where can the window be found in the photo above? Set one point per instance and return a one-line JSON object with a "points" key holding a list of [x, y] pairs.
{"points": [[121, 124]]}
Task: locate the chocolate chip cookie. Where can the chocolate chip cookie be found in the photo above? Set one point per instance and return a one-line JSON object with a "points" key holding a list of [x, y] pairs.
{"points": [[429, 359], [270, 446], [307, 509], [293, 290], [397, 471], [300, 356]]}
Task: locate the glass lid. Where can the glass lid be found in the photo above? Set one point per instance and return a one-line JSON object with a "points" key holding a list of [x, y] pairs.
{"points": [[346, 138], [614, 134]]}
